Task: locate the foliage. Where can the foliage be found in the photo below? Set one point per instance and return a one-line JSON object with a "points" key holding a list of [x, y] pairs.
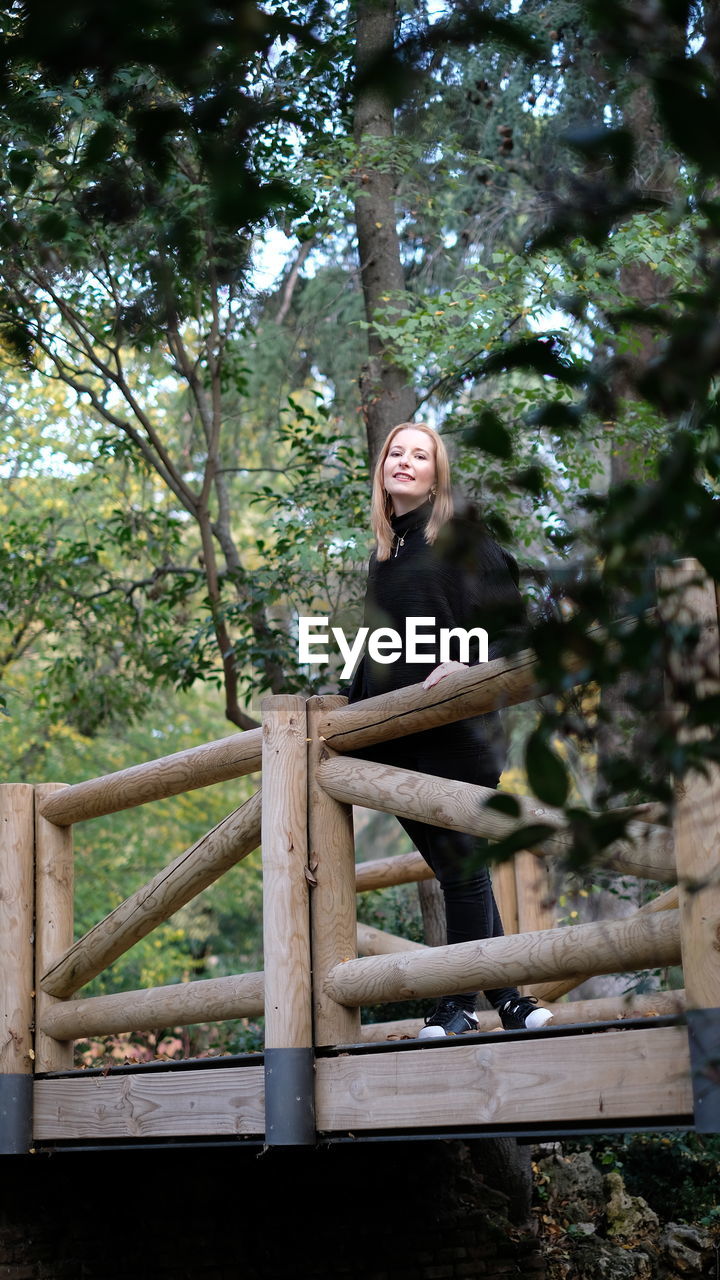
{"points": [[394, 910], [147, 384], [676, 1173]]}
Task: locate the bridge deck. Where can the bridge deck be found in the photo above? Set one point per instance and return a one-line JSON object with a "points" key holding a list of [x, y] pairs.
{"points": [[619, 1074]]}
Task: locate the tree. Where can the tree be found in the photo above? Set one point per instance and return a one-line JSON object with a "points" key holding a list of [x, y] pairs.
{"points": [[130, 243], [386, 394]]}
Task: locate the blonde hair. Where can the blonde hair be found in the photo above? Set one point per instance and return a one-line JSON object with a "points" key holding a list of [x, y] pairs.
{"points": [[381, 507]]}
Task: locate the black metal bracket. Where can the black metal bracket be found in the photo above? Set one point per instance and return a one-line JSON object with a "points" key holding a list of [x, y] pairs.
{"points": [[704, 1036], [15, 1114], [289, 1097]]}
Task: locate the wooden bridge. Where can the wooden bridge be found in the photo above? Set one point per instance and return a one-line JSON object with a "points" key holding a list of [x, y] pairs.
{"points": [[601, 1064]]}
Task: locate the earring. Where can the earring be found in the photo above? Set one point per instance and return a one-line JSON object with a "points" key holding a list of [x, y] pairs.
{"points": [[433, 494]]}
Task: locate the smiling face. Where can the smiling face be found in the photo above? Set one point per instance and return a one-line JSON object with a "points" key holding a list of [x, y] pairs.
{"points": [[409, 471]]}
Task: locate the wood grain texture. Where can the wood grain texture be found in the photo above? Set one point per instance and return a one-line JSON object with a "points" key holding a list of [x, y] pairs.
{"points": [[180, 1004], [182, 1104], [201, 766], [655, 1004], [432, 910], [697, 795], [535, 898], [376, 942], [460, 806], [486, 687], [54, 908], [380, 873], [505, 890], [482, 688], [286, 911], [200, 865], [16, 927], [534, 895], [616, 1075], [549, 991], [614, 946], [333, 898]]}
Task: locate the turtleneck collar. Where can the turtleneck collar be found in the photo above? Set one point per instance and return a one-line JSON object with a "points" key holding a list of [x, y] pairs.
{"points": [[412, 519]]}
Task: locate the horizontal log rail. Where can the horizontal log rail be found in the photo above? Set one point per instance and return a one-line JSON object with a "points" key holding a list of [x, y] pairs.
{"points": [[376, 942], [178, 1005], [550, 991], [204, 862], [399, 868], [653, 1004], [614, 946], [218, 761], [475, 691], [460, 806], [500, 683]]}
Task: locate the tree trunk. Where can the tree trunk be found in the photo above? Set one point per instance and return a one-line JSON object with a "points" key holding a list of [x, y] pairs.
{"points": [[387, 399], [657, 175]]}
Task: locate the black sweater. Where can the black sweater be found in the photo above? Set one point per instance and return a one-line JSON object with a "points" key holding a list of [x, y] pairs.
{"points": [[464, 580]]}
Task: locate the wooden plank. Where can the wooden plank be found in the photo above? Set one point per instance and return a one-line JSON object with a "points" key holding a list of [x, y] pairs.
{"points": [[461, 806], [333, 900], [204, 862], [612, 1076], [54, 914], [17, 830], [218, 761], [613, 946], [286, 911], [182, 1104]]}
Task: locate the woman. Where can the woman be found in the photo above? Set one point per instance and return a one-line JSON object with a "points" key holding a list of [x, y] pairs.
{"points": [[450, 573]]}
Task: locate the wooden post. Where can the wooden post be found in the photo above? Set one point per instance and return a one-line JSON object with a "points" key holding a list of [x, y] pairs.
{"points": [[289, 1062], [16, 967], [697, 824], [505, 890], [53, 922], [533, 890], [333, 911], [432, 907]]}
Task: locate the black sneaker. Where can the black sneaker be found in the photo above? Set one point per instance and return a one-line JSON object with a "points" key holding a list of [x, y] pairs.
{"points": [[448, 1018], [523, 1014]]}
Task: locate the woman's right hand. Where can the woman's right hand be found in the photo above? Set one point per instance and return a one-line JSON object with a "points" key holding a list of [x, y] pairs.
{"points": [[439, 673]]}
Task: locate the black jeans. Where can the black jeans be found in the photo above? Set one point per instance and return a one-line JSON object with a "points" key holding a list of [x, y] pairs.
{"points": [[469, 751]]}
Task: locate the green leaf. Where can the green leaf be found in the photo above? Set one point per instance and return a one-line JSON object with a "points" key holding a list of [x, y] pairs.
{"points": [[504, 804], [490, 434], [546, 773]]}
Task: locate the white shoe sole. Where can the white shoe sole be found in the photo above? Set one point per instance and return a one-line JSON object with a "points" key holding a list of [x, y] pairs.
{"points": [[537, 1019], [431, 1033]]}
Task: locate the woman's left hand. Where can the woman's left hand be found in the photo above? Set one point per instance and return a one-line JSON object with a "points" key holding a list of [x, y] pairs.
{"points": [[445, 669]]}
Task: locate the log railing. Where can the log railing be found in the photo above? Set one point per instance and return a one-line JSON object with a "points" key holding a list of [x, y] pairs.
{"points": [[313, 982]]}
